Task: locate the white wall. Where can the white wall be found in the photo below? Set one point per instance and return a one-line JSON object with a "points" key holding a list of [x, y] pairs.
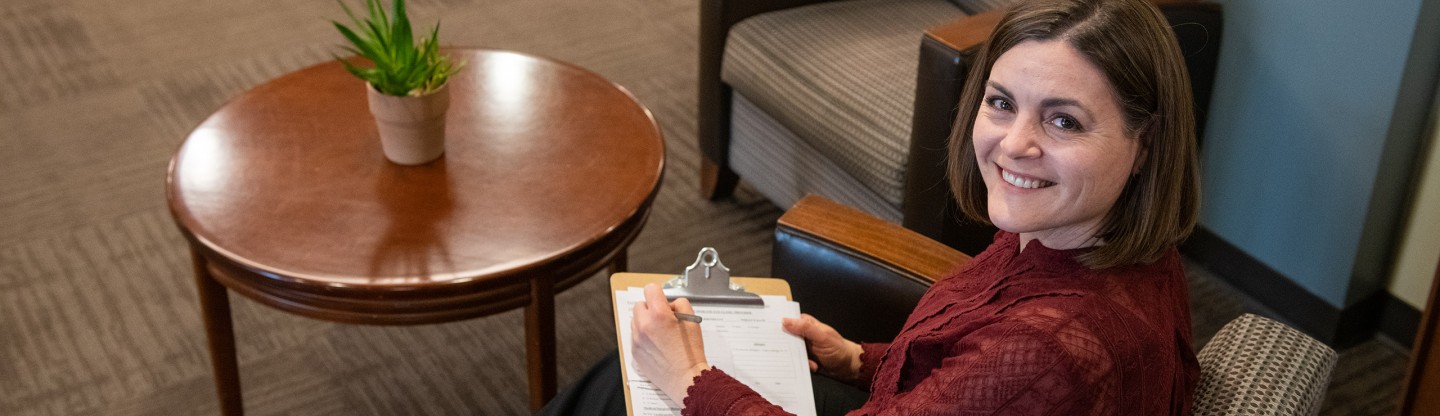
{"points": [[1420, 246]]}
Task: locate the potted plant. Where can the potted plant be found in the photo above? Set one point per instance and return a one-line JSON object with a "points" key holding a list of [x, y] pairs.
{"points": [[406, 84]]}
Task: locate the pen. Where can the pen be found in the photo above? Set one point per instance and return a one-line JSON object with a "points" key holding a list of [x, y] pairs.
{"points": [[687, 317]]}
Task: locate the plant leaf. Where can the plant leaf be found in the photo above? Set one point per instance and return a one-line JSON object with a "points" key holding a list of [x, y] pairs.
{"points": [[362, 47], [402, 64], [401, 31]]}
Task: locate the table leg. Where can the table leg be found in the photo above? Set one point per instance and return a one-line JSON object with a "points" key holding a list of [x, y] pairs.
{"points": [[540, 341], [621, 263], [215, 308]]}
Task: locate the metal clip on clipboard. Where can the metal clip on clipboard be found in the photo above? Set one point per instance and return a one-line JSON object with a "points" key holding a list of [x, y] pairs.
{"points": [[708, 281]]}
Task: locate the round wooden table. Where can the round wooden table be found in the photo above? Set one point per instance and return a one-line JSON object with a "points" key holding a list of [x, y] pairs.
{"points": [[548, 175]]}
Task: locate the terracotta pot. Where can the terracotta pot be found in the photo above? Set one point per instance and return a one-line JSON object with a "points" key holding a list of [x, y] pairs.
{"points": [[412, 129]]}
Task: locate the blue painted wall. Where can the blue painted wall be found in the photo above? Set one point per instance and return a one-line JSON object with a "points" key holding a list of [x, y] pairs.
{"points": [[1304, 96]]}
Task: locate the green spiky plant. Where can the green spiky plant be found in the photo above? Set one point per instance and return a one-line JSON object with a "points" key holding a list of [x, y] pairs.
{"points": [[401, 66]]}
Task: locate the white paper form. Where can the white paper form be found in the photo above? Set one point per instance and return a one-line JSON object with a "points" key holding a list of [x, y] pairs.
{"points": [[745, 341]]}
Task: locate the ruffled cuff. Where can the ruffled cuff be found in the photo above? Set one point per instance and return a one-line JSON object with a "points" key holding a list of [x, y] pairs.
{"points": [[717, 393], [870, 355]]}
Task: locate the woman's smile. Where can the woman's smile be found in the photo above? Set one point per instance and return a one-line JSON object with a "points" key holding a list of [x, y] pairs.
{"points": [[1023, 181]]}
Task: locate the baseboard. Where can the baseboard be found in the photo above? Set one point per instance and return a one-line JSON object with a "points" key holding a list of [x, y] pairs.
{"points": [[1339, 328], [1399, 320]]}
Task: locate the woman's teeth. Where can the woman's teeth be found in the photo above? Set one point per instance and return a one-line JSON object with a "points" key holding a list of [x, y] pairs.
{"points": [[1022, 182]]}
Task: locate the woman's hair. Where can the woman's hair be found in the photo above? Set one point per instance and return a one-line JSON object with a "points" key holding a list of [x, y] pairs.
{"points": [[1132, 44]]}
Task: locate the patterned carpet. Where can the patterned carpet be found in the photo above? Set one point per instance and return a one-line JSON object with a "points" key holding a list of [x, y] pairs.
{"points": [[98, 314]]}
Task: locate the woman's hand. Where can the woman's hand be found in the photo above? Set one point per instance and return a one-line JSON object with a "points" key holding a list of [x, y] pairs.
{"points": [[667, 351], [831, 353]]}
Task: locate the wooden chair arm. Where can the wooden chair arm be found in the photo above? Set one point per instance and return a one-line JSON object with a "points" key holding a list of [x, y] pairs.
{"points": [[971, 31], [861, 235], [966, 32]]}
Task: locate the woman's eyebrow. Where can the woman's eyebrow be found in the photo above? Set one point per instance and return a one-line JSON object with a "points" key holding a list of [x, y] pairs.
{"points": [[1060, 102], [1002, 90], [1046, 103]]}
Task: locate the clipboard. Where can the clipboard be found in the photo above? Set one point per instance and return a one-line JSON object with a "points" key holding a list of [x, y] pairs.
{"points": [[697, 292]]}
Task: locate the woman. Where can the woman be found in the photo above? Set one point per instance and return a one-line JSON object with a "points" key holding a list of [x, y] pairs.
{"points": [[1077, 133]]}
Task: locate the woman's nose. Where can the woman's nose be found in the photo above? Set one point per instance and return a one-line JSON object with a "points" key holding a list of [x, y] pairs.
{"points": [[1022, 141]]}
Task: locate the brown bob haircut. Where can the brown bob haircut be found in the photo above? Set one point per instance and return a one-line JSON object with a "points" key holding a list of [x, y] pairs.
{"points": [[1130, 41]]}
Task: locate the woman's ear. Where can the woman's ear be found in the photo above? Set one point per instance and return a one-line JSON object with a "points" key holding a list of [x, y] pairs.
{"points": [[1144, 153], [1140, 159], [1145, 136]]}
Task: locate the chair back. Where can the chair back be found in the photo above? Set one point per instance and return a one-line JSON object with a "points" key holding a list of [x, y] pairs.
{"points": [[1257, 366]]}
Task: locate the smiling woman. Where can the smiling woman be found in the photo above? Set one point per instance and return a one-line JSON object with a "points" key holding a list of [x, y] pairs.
{"points": [[1076, 139], [1094, 98], [1052, 147]]}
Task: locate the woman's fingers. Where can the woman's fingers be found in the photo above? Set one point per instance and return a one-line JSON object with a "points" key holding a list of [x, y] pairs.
{"points": [[639, 318], [667, 351], [659, 308], [682, 305], [830, 352], [655, 299]]}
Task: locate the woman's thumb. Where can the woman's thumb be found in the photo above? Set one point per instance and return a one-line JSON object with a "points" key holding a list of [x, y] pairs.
{"points": [[799, 326], [795, 326]]}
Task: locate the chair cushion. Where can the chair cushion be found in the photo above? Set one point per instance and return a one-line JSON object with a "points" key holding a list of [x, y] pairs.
{"points": [[1256, 366], [784, 168], [841, 76]]}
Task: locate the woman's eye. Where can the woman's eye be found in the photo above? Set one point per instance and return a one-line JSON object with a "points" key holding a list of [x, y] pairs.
{"points": [[999, 103], [1065, 122]]}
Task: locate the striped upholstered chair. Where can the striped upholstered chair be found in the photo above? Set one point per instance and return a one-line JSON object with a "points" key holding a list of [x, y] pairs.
{"points": [[836, 257], [854, 99]]}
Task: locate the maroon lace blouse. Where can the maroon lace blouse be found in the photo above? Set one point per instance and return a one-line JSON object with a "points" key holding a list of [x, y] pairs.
{"points": [[1028, 333]]}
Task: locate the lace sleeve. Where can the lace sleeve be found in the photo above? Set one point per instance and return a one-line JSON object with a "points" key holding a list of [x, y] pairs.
{"points": [[717, 393], [1022, 366], [869, 361], [1012, 368]]}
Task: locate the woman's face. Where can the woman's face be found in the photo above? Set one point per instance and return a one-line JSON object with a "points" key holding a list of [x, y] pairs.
{"points": [[1051, 144]]}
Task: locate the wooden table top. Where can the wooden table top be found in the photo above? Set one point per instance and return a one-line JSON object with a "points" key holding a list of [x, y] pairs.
{"points": [[543, 159]]}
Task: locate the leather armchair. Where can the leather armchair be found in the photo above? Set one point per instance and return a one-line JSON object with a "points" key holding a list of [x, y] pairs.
{"points": [[858, 273], [945, 54], [863, 276]]}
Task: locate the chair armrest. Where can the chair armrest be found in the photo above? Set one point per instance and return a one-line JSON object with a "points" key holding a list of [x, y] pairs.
{"points": [[858, 273], [1256, 365], [970, 31], [966, 32], [856, 233]]}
